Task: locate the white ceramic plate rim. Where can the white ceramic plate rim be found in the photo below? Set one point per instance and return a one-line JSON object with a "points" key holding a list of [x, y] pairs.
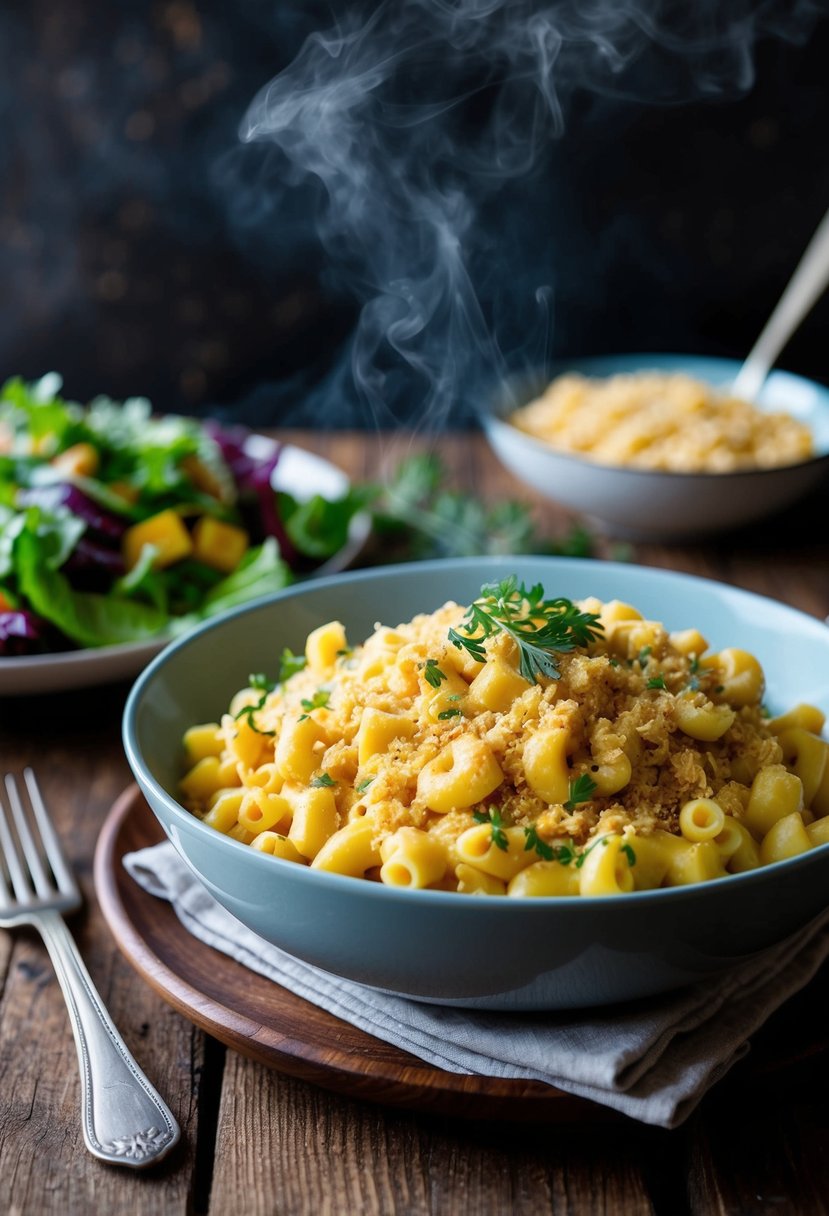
{"points": [[298, 472]]}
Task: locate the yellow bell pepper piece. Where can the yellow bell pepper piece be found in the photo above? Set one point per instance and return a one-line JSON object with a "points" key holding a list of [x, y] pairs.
{"points": [[166, 532], [81, 460], [218, 544]]}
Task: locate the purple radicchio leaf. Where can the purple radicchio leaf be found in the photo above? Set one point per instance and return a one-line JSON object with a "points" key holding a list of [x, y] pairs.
{"points": [[64, 494], [20, 633], [253, 475]]}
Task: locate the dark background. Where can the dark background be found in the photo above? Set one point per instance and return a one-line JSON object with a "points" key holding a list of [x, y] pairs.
{"points": [[143, 250]]}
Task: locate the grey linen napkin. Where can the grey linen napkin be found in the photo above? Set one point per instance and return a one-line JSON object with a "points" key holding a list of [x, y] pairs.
{"points": [[653, 1060]]}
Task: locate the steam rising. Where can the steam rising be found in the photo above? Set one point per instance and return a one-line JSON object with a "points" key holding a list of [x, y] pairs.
{"points": [[417, 119]]}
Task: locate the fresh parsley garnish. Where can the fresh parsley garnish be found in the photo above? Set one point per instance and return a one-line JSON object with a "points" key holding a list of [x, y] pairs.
{"points": [[449, 713], [320, 700], [432, 674], [581, 789], [364, 784], [323, 780], [643, 655], [290, 664], [493, 817], [260, 683], [694, 665], [627, 849], [656, 681], [534, 841], [565, 854], [539, 627]]}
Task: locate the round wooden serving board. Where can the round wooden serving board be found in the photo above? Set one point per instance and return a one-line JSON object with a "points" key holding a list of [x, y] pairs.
{"points": [[258, 1018]]}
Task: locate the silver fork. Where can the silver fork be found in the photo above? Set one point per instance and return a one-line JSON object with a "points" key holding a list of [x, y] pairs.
{"points": [[124, 1120]]}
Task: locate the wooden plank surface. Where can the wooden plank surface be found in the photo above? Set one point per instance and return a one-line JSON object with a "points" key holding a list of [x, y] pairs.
{"points": [[259, 1142]]}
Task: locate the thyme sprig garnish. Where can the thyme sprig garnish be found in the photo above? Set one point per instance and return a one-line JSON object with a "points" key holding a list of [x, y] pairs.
{"points": [[260, 683], [538, 627], [494, 818]]}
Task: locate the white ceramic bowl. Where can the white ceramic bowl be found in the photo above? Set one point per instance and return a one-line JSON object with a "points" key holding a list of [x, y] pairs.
{"points": [[647, 504], [482, 951]]}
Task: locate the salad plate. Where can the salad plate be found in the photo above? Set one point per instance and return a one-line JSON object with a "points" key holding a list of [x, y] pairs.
{"points": [[91, 501], [301, 473]]}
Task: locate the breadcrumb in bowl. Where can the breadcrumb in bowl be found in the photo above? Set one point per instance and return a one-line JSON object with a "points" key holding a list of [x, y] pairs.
{"points": [[488, 951], [652, 447]]}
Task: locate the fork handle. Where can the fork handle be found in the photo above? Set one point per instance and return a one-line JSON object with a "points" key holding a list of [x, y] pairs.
{"points": [[124, 1120]]}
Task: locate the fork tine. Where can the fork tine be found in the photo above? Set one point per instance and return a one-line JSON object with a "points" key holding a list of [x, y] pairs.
{"points": [[51, 842], [37, 870], [16, 871]]}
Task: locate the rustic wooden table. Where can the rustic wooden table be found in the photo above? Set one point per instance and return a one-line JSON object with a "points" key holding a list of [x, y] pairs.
{"points": [[257, 1141]]}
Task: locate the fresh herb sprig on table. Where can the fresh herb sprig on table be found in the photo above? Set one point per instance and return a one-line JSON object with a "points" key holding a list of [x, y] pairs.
{"points": [[415, 516], [539, 627]]}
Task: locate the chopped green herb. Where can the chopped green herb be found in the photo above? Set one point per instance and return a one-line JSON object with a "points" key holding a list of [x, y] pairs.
{"points": [[323, 780], [582, 857], [432, 674], [320, 700], [613, 662], [564, 854], [364, 784], [720, 688], [627, 849], [263, 685], [656, 681], [449, 713], [493, 817], [694, 665], [581, 789], [539, 627], [643, 655], [534, 841], [290, 664]]}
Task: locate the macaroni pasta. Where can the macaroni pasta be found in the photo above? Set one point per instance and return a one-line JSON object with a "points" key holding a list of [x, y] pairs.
{"points": [[451, 754], [654, 421]]}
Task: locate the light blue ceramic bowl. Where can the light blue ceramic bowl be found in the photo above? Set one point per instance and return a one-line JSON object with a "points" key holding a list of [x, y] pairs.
{"points": [[647, 504], [486, 952]]}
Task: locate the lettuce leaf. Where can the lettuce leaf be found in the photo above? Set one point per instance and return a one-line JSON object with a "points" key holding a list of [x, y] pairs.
{"points": [[260, 572], [84, 616]]}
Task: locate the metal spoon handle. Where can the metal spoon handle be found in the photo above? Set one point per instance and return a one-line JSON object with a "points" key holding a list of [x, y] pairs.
{"points": [[805, 287]]}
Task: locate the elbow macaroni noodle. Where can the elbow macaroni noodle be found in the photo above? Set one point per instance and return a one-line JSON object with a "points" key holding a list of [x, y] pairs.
{"points": [[657, 421], [647, 763]]}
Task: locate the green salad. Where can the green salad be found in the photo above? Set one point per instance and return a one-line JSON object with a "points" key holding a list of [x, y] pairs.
{"points": [[120, 526]]}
